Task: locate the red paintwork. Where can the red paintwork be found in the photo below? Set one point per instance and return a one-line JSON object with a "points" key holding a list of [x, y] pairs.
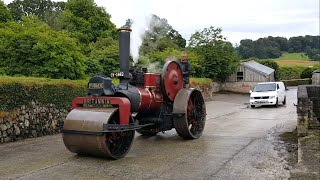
{"points": [[152, 80], [151, 100], [173, 80], [123, 104]]}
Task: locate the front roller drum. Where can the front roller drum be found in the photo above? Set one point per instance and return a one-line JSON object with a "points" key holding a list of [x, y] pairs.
{"points": [[113, 145], [189, 113]]}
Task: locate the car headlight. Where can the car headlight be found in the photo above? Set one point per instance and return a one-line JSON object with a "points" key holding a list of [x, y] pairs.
{"points": [[251, 97], [272, 97]]}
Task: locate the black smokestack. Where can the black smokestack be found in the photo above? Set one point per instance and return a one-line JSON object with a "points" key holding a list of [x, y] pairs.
{"points": [[124, 52]]}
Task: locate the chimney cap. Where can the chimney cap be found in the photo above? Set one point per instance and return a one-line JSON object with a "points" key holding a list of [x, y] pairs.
{"points": [[124, 30]]}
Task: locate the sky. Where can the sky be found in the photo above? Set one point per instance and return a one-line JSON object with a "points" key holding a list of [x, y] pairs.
{"points": [[239, 19]]}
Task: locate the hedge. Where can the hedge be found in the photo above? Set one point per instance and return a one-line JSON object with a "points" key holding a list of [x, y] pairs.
{"points": [[18, 91], [294, 72], [297, 82]]}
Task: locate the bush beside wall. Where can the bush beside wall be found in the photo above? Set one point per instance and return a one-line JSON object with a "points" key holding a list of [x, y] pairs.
{"points": [[297, 82], [205, 85], [294, 72]]}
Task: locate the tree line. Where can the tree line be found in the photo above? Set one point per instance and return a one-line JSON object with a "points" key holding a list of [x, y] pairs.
{"points": [[76, 39], [272, 47]]}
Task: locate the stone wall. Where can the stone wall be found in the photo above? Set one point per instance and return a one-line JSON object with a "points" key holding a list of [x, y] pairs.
{"points": [[30, 120], [316, 78], [308, 108], [238, 87]]}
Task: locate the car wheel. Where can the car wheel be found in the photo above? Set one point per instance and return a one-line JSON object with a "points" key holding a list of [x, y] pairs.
{"points": [[284, 101], [276, 105], [253, 106]]}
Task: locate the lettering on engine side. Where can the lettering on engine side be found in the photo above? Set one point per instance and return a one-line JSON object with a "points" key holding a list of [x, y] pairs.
{"points": [[96, 103]]}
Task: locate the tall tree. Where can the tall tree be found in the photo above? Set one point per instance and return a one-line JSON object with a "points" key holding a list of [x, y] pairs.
{"points": [[219, 58], [246, 48], [5, 14], [45, 10], [86, 20], [31, 48]]}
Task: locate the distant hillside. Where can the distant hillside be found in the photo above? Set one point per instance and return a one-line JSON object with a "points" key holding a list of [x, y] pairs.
{"points": [[273, 47], [294, 59]]}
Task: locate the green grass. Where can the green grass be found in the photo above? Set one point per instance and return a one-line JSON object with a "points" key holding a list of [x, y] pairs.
{"points": [[294, 59], [293, 56]]}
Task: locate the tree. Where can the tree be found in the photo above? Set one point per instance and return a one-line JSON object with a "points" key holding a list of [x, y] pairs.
{"points": [[219, 58], [45, 10], [31, 48], [313, 54], [262, 48], [103, 57], [246, 49], [5, 14], [159, 36], [86, 21]]}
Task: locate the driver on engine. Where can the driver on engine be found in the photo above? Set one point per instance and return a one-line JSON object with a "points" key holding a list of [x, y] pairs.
{"points": [[186, 68]]}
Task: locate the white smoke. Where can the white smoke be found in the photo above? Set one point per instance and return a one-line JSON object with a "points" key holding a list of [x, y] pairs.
{"points": [[139, 27], [154, 67]]}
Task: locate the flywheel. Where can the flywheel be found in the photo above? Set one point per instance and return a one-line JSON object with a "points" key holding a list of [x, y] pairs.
{"points": [[172, 79]]}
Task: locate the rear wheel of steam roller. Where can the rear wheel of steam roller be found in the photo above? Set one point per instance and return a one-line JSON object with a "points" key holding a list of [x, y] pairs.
{"points": [[190, 113], [113, 145]]}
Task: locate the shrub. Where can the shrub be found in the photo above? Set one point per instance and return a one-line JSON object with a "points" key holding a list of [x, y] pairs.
{"points": [[306, 73], [18, 91], [297, 82], [295, 72]]}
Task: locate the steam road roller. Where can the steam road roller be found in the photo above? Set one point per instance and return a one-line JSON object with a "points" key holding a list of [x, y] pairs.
{"points": [[104, 123]]}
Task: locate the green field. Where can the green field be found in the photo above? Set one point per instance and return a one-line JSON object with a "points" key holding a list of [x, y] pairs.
{"points": [[293, 56], [295, 59]]}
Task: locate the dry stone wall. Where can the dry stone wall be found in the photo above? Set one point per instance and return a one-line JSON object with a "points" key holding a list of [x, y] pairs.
{"points": [[32, 120], [308, 109]]}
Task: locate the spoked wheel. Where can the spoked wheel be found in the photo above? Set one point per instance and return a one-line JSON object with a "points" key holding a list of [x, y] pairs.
{"points": [[190, 111], [112, 145], [118, 143]]}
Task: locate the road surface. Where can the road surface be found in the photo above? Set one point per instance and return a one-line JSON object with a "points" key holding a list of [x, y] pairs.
{"points": [[238, 143]]}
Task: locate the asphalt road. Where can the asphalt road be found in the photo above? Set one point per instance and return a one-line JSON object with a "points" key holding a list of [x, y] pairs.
{"points": [[238, 143]]}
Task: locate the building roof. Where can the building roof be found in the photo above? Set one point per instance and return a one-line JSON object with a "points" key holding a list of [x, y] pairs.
{"points": [[258, 67], [316, 71]]}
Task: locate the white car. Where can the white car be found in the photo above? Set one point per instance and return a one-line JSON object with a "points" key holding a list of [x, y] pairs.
{"points": [[268, 93]]}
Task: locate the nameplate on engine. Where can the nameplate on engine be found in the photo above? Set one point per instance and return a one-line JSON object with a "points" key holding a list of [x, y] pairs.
{"points": [[96, 103], [95, 86]]}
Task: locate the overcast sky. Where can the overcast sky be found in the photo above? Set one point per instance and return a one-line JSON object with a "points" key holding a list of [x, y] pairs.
{"points": [[239, 19]]}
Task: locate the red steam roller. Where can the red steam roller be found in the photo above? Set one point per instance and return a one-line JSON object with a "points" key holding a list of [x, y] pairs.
{"points": [[104, 123]]}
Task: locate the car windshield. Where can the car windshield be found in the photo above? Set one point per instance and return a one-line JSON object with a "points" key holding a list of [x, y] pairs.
{"points": [[265, 87]]}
